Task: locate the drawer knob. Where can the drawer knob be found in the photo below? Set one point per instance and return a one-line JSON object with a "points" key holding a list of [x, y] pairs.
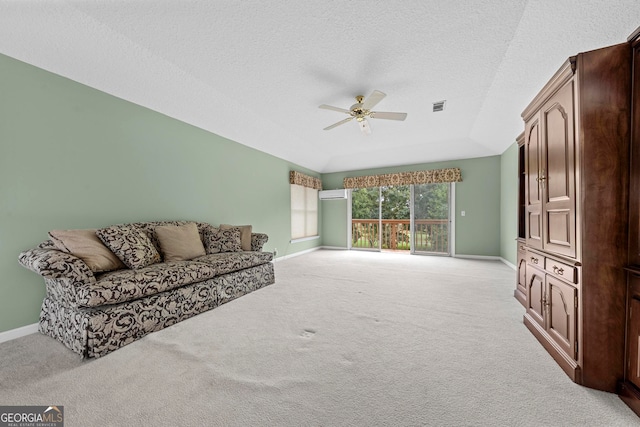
{"points": [[558, 271], [534, 260]]}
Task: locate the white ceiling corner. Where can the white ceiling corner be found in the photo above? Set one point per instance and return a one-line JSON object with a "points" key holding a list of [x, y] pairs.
{"points": [[255, 72]]}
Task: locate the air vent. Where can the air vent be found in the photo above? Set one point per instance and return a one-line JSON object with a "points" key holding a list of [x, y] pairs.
{"points": [[438, 106]]}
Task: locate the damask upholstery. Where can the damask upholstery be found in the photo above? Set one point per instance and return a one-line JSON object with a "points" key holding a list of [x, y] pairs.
{"points": [[54, 264], [94, 314], [229, 262], [130, 244], [245, 234], [97, 332], [126, 285], [217, 240], [257, 241]]}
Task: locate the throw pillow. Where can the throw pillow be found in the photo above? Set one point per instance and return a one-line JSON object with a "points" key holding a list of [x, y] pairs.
{"points": [[245, 234], [130, 244], [217, 240], [87, 246], [180, 242]]}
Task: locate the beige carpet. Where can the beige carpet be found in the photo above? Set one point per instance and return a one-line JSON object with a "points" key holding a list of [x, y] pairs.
{"points": [[341, 339]]}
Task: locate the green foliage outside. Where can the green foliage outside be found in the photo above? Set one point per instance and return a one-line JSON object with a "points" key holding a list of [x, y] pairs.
{"points": [[431, 202], [364, 203]]}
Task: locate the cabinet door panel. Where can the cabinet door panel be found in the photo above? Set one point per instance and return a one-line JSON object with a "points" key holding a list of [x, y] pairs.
{"points": [[535, 294], [559, 226], [557, 122], [562, 314], [558, 173], [633, 350], [522, 277], [533, 198]]}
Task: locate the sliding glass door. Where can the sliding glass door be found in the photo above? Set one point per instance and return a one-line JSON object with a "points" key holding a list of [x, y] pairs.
{"points": [[404, 218], [431, 218]]}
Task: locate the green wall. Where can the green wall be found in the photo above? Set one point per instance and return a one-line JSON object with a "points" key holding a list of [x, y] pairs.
{"points": [[509, 204], [75, 157], [477, 233]]}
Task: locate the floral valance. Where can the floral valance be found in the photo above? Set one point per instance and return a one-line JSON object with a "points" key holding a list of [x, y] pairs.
{"points": [[404, 178], [304, 180]]}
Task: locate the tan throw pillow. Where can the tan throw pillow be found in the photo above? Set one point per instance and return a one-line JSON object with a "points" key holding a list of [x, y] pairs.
{"points": [[87, 246], [180, 242], [130, 244], [245, 234]]}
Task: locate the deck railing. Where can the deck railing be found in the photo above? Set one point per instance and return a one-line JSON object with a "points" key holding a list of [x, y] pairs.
{"points": [[432, 235]]}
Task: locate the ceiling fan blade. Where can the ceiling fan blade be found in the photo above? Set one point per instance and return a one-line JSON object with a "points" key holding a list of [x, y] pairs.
{"points": [[364, 126], [371, 101], [329, 107], [341, 122], [387, 115]]}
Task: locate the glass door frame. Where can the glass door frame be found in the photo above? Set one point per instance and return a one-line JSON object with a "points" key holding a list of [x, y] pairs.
{"points": [[451, 229]]}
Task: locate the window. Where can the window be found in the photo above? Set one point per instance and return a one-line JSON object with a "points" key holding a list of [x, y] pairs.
{"points": [[304, 206], [304, 212]]}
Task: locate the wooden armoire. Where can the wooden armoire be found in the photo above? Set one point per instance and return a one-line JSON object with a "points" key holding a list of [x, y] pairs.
{"points": [[630, 386], [574, 175]]}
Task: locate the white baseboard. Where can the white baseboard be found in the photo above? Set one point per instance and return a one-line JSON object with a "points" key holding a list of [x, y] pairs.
{"points": [[482, 257], [293, 255], [487, 258], [334, 248], [513, 266], [18, 332]]}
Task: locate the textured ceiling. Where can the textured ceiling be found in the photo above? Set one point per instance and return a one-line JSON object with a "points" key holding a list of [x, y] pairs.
{"points": [[256, 71]]}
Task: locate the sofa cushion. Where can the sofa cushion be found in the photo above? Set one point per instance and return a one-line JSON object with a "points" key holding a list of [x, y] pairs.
{"points": [[127, 285], [217, 240], [245, 234], [88, 247], [130, 244], [228, 262], [179, 242]]}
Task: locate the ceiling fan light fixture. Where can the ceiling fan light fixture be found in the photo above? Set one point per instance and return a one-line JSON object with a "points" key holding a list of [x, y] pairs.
{"points": [[361, 111], [364, 126]]}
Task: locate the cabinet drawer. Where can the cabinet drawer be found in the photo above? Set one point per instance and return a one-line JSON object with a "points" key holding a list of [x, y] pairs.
{"points": [[561, 270], [535, 259]]}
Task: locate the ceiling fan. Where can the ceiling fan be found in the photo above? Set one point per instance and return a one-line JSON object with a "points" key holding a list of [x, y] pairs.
{"points": [[361, 111]]}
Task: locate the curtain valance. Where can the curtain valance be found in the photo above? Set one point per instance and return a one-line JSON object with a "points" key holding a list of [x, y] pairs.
{"points": [[305, 180], [404, 178]]}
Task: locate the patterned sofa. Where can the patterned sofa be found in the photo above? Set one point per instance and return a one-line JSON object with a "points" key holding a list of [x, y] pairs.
{"points": [[94, 313]]}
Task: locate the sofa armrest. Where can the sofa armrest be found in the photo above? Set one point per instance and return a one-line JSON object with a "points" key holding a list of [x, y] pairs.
{"points": [[257, 241], [55, 264]]}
